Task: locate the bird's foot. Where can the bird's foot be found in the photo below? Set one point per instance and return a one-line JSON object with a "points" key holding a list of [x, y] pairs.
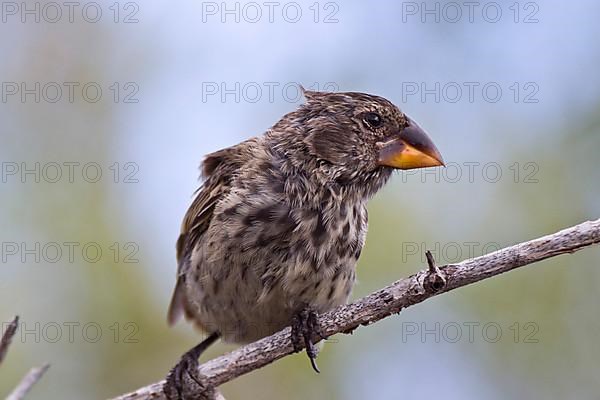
{"points": [[184, 382], [305, 325]]}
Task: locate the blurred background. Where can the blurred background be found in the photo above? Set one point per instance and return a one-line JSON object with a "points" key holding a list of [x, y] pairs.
{"points": [[108, 108]]}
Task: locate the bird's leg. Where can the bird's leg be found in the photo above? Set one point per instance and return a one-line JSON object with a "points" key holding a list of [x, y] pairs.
{"points": [[305, 325], [184, 382]]}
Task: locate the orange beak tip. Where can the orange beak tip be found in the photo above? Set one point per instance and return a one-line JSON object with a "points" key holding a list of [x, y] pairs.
{"points": [[401, 155], [409, 149]]}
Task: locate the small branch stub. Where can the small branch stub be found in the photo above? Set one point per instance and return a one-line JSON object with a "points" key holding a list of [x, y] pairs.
{"points": [[434, 279]]}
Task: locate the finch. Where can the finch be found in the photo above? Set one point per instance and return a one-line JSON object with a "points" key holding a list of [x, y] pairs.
{"points": [[274, 234]]}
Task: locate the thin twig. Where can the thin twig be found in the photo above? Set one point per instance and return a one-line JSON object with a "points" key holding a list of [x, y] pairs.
{"points": [[390, 300], [7, 337], [431, 263], [32, 377]]}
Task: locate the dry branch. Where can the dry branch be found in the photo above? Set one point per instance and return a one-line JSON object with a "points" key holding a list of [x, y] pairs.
{"points": [[34, 375], [7, 337], [390, 300]]}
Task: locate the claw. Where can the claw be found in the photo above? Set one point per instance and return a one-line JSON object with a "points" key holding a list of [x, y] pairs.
{"points": [[305, 325], [313, 362], [184, 382]]}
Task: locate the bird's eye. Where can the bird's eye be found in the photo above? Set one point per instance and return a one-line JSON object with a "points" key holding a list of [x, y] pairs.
{"points": [[374, 120]]}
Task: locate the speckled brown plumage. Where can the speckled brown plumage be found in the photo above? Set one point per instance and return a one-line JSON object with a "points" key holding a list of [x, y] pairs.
{"points": [[281, 219]]}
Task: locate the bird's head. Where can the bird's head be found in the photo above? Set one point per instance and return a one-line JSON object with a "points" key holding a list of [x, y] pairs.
{"points": [[359, 136]]}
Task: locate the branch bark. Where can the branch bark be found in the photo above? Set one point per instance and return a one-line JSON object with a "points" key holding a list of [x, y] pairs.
{"points": [[391, 300]]}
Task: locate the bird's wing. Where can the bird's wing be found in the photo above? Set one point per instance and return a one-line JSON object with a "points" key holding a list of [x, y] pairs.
{"points": [[218, 170]]}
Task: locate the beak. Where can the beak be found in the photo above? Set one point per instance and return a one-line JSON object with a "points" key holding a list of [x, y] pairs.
{"points": [[408, 149]]}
